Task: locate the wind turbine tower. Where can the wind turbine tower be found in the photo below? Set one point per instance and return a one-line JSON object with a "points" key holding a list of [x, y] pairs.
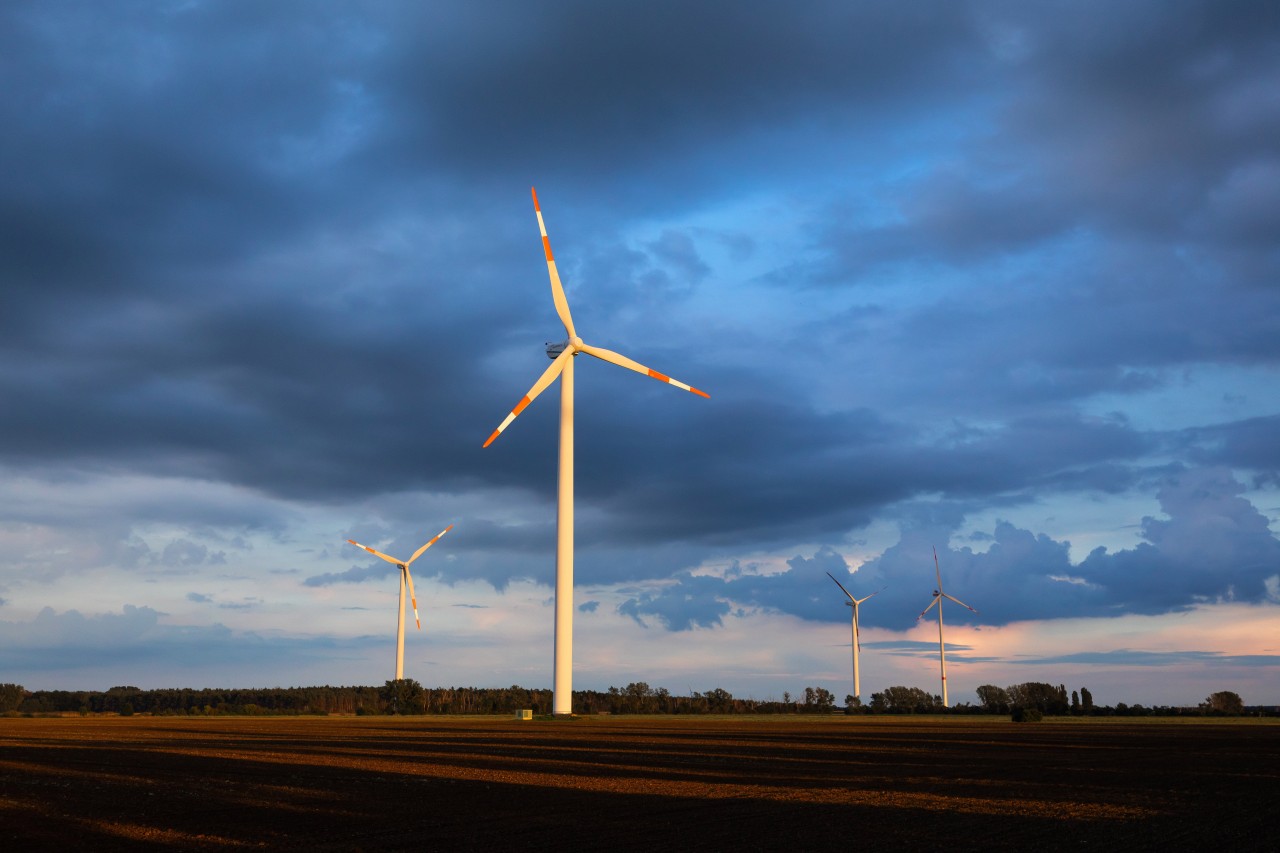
{"points": [[854, 640], [403, 566], [562, 355], [938, 595]]}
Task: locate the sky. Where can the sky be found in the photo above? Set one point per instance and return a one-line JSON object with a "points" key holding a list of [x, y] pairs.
{"points": [[999, 279]]}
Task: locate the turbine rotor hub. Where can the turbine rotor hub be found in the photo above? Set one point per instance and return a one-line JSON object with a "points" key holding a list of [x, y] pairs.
{"points": [[555, 348]]}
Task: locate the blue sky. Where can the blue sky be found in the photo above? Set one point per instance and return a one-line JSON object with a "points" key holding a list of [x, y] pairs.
{"points": [[995, 278]]}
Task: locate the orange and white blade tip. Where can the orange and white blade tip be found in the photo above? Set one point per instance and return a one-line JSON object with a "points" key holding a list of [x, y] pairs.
{"points": [[631, 364], [548, 376], [656, 375], [542, 229], [505, 423], [557, 287]]}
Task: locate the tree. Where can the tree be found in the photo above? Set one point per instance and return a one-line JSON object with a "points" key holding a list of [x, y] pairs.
{"points": [[904, 700], [1075, 703], [1045, 698], [403, 696], [719, 701], [1026, 715], [638, 698], [1086, 700], [818, 700], [1225, 703], [11, 696], [995, 700]]}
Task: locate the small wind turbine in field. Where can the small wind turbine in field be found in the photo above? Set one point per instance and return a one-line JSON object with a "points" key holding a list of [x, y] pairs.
{"points": [[405, 577], [854, 641], [562, 355], [938, 595]]}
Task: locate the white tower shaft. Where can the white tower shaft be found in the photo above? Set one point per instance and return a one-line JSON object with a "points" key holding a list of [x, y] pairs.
{"points": [[853, 626], [942, 654], [562, 697], [400, 631]]}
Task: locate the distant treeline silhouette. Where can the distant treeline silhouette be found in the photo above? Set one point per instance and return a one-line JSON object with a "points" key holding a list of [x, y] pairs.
{"points": [[407, 696]]}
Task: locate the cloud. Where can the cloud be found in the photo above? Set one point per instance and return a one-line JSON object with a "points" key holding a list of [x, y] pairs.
{"points": [[1214, 546], [1139, 658], [355, 574], [269, 284]]}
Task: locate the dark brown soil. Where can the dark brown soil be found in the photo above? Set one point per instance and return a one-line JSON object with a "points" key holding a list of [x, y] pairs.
{"points": [[634, 783]]}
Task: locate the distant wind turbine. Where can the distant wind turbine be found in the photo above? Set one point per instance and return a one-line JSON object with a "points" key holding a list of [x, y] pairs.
{"points": [[562, 355], [855, 641], [938, 595], [403, 566]]}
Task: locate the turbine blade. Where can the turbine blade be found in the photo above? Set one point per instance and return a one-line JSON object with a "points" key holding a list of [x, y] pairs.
{"points": [[842, 589], [413, 598], [857, 635], [927, 609], [872, 595], [937, 570], [958, 601], [389, 559], [548, 376], [557, 289], [418, 553], [622, 361]]}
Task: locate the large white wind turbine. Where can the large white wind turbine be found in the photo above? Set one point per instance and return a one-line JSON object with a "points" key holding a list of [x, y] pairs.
{"points": [[403, 566], [562, 355], [855, 641], [938, 595]]}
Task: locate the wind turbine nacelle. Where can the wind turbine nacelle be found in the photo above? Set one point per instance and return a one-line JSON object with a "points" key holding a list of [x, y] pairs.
{"points": [[554, 350]]}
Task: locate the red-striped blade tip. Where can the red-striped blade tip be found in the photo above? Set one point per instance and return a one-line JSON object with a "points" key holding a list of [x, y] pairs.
{"points": [[490, 439], [534, 190]]}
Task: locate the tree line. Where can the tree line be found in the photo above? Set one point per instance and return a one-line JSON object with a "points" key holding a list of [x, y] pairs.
{"points": [[404, 696], [1041, 700], [407, 696]]}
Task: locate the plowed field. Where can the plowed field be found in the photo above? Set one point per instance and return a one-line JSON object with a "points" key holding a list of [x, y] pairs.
{"points": [[634, 783]]}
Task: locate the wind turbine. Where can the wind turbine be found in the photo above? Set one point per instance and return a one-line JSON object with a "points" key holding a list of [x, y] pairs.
{"points": [[562, 355], [938, 595], [855, 640], [403, 566]]}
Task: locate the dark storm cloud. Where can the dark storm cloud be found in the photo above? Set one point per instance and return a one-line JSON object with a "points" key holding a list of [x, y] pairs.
{"points": [[590, 90], [290, 249], [1248, 444], [1141, 121]]}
